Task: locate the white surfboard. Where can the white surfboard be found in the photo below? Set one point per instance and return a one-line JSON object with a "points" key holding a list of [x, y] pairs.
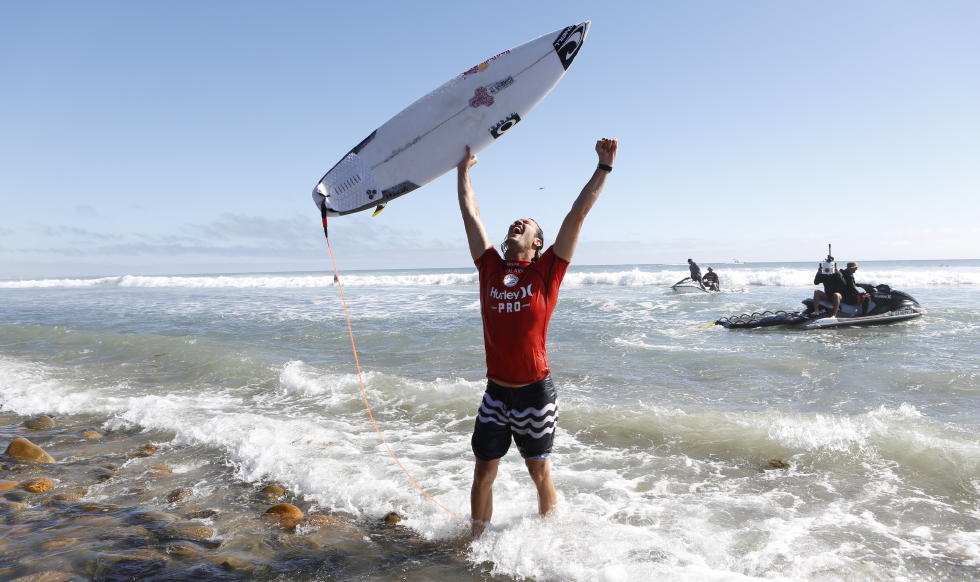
{"points": [[429, 137]]}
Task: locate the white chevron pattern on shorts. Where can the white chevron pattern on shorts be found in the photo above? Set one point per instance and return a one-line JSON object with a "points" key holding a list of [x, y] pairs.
{"points": [[496, 412]]}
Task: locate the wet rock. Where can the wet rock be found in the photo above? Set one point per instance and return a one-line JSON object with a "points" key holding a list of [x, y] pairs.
{"points": [[392, 518], [40, 423], [295, 545], [90, 433], [17, 496], [78, 491], [96, 521], [40, 485], [186, 530], [102, 474], [66, 498], [145, 451], [127, 565], [97, 507], [157, 471], [203, 514], [233, 563], [181, 494], [133, 536], [318, 520], [273, 493], [152, 517], [7, 506], [22, 449], [777, 464], [285, 510], [6, 485], [184, 549], [285, 514], [59, 543]]}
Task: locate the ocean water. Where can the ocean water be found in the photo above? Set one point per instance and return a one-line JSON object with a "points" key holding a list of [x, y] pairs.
{"points": [[666, 433]]}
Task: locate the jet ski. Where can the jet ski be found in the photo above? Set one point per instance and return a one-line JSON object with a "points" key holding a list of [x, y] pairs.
{"points": [[689, 286], [882, 305]]}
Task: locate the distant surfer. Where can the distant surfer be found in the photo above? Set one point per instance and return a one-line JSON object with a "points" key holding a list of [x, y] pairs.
{"points": [[710, 280], [518, 293]]}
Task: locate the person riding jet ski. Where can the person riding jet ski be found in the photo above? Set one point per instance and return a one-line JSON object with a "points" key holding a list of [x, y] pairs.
{"points": [[838, 286]]}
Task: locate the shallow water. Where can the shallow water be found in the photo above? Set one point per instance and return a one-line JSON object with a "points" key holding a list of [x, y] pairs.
{"points": [[667, 428]]}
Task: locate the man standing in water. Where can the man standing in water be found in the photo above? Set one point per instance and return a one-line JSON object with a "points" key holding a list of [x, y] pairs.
{"points": [[695, 272], [518, 293]]}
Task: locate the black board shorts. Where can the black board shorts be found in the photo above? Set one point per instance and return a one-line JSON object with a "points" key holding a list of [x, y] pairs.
{"points": [[528, 414]]}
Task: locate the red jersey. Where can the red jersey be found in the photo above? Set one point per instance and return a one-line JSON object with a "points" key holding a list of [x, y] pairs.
{"points": [[517, 299]]}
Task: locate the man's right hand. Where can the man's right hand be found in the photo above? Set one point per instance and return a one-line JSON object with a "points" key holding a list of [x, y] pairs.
{"points": [[468, 161]]}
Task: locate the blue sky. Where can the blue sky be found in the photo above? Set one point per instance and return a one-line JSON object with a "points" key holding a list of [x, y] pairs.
{"points": [[185, 137]]}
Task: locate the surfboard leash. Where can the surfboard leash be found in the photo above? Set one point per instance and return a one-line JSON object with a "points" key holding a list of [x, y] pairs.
{"points": [[362, 384]]}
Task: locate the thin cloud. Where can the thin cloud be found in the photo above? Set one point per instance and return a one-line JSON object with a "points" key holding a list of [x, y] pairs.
{"points": [[78, 235], [86, 211]]}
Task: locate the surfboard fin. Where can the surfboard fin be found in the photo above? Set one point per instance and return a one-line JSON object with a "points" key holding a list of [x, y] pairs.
{"points": [[378, 210]]}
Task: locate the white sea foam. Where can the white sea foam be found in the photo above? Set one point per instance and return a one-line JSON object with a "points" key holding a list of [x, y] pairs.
{"points": [[737, 278], [689, 508]]}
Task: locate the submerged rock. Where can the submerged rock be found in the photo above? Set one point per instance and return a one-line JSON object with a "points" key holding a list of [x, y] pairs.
{"points": [[49, 576], [186, 530], [273, 493], [184, 549], [152, 517], [24, 450], [318, 520], [157, 471], [286, 515], [40, 485], [777, 464], [90, 433], [40, 423], [392, 518], [180, 494], [145, 451], [125, 565]]}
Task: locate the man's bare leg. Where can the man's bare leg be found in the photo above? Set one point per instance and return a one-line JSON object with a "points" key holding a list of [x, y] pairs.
{"points": [[837, 298], [817, 296], [481, 494], [540, 472]]}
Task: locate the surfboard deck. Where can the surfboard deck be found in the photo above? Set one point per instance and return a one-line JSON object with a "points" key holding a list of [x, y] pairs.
{"points": [[429, 137]]}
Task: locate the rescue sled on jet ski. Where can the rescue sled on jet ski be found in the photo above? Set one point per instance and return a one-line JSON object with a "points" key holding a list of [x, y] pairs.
{"points": [[883, 305]]}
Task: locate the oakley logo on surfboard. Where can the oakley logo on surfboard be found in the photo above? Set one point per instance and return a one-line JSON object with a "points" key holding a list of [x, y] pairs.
{"points": [[503, 125]]}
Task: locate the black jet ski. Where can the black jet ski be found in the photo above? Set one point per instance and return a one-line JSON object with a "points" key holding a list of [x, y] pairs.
{"points": [[883, 305]]}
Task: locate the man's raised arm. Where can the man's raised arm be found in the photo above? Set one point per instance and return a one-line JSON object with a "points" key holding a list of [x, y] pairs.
{"points": [[567, 238], [476, 234]]}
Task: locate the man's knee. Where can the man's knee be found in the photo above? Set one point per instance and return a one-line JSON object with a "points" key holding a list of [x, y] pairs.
{"points": [[540, 471], [485, 473]]}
